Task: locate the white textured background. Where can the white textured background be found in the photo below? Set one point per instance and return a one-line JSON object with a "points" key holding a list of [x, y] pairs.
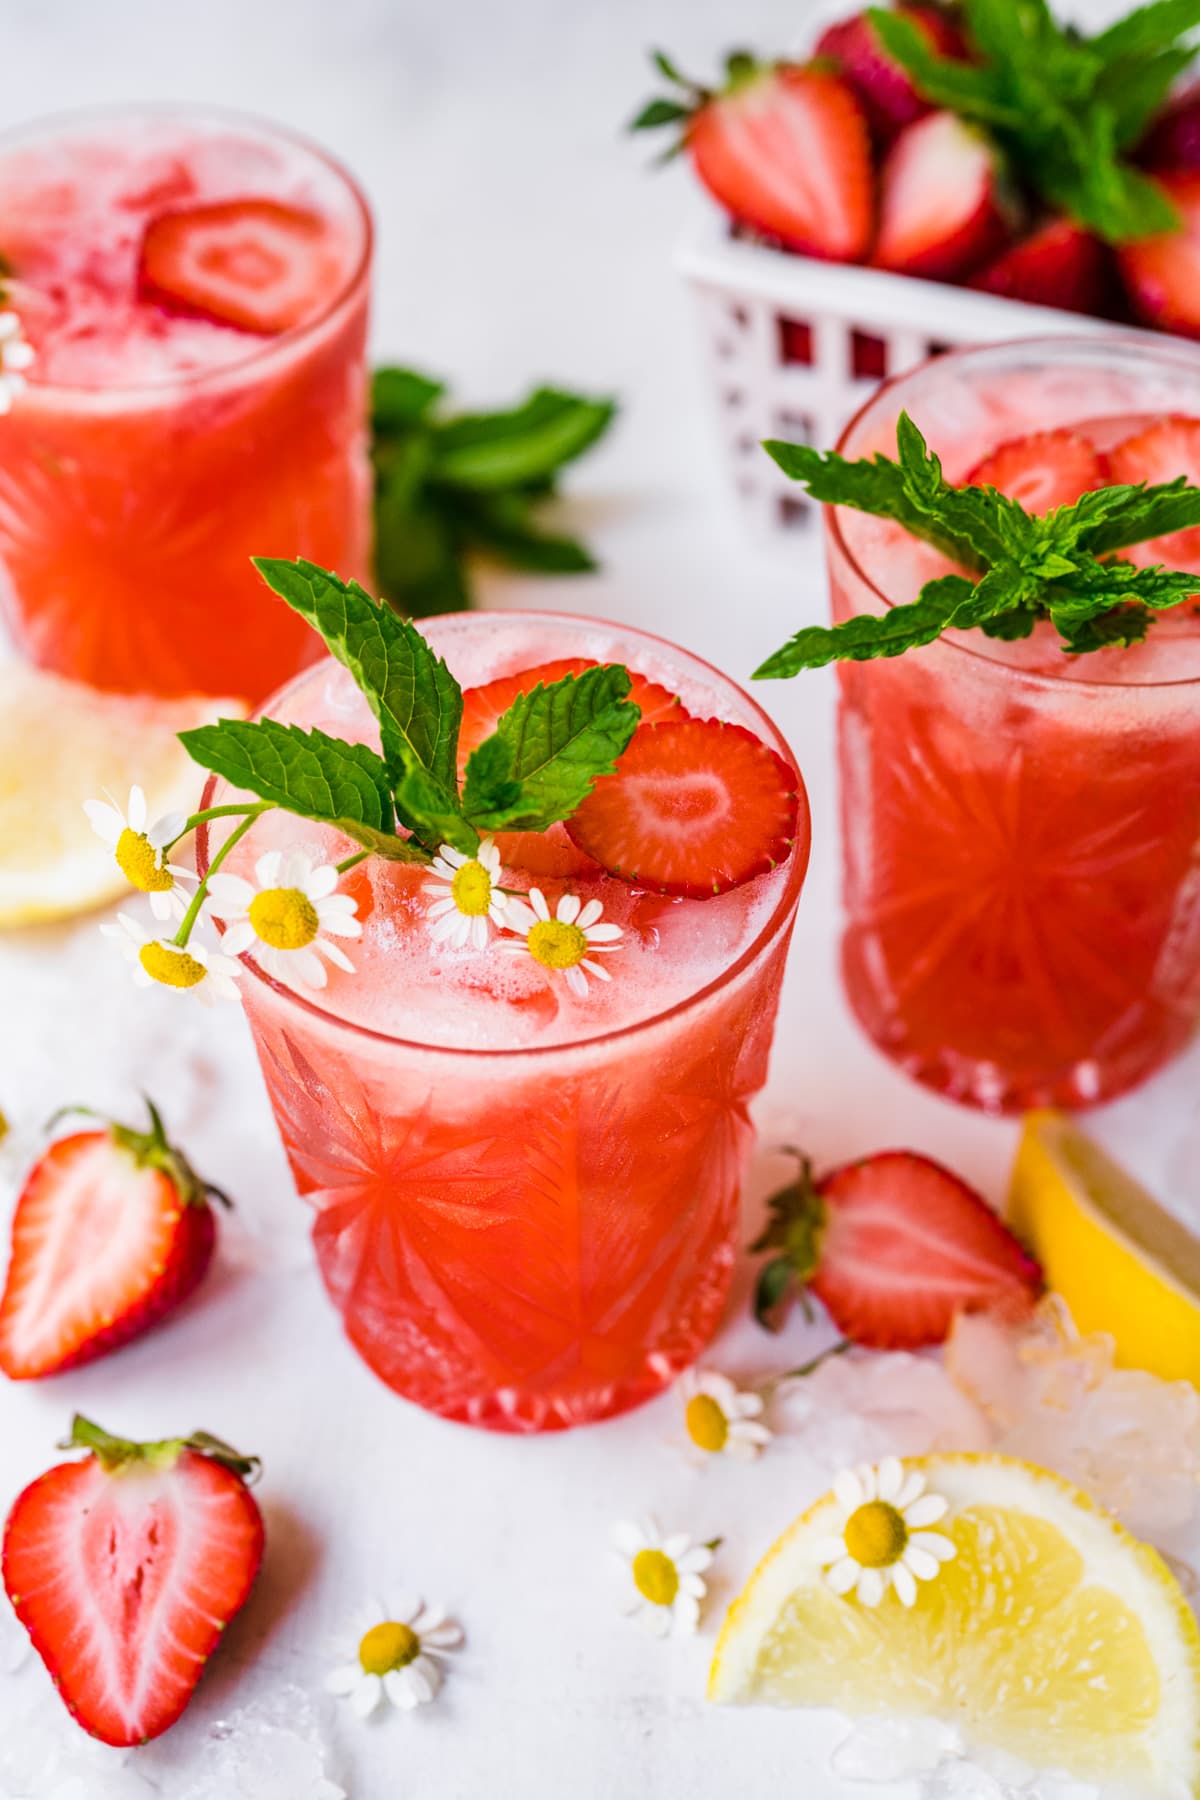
{"points": [[519, 236]]}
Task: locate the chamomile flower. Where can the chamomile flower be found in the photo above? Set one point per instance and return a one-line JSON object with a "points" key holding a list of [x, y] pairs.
{"points": [[288, 918], [191, 968], [721, 1419], [139, 849], [564, 942], [662, 1576], [884, 1541], [393, 1654], [16, 354], [464, 900]]}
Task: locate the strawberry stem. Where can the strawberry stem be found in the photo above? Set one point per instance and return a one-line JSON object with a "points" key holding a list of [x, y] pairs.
{"points": [[152, 1150], [117, 1453]]}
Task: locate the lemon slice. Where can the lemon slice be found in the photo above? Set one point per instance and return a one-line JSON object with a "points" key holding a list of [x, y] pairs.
{"points": [[1120, 1262], [1053, 1634], [62, 744]]}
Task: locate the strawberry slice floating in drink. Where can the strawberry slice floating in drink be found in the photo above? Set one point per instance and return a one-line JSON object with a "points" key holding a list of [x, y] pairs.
{"points": [[1045, 470], [254, 264], [694, 809], [125, 1569]]}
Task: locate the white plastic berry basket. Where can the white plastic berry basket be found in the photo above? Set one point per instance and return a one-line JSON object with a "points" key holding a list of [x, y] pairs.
{"points": [[794, 346]]}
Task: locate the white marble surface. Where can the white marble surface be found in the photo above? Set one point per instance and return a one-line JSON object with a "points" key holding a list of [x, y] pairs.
{"points": [[519, 236]]}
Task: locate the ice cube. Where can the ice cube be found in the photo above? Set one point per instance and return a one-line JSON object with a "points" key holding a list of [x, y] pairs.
{"points": [[272, 1749], [861, 1406], [885, 1750]]}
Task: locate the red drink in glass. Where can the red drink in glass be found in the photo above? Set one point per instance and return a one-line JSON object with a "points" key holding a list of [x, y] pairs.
{"points": [[157, 448], [1021, 828], [526, 1204]]}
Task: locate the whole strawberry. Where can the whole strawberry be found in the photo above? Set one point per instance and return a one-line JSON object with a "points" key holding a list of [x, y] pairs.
{"points": [[884, 89], [113, 1229], [783, 147], [894, 1247], [125, 1569]]}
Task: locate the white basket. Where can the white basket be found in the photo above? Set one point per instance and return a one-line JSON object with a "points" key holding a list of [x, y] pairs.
{"points": [[748, 297]]}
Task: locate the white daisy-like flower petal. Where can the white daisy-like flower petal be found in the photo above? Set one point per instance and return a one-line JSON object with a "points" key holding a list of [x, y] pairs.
{"points": [[286, 916], [720, 1419], [564, 943], [881, 1543], [194, 968], [16, 354], [139, 850], [397, 1653], [662, 1576], [465, 902]]}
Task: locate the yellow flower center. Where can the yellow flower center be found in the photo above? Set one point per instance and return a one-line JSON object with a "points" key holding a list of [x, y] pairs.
{"points": [[284, 918], [388, 1646], [138, 862], [655, 1577], [471, 890], [875, 1535], [170, 965], [706, 1424], [555, 945]]}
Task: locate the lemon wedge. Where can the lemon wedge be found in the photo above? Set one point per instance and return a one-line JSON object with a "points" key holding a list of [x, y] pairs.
{"points": [[1121, 1263], [61, 744], [1053, 1634]]}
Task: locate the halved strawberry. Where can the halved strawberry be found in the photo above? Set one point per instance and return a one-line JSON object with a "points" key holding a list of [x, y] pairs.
{"points": [[1042, 471], [784, 149], [943, 208], [1162, 452], [1162, 274], [112, 1231], [126, 1568], [895, 1247], [547, 852], [256, 264], [885, 90], [1060, 264], [693, 809]]}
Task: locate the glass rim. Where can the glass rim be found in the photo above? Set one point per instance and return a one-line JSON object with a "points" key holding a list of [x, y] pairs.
{"points": [[786, 903], [1051, 345], [277, 345]]}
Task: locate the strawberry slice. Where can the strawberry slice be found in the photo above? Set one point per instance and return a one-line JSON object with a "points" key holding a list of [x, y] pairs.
{"points": [[885, 90], [693, 809], [942, 211], [895, 1247], [1060, 265], [1044, 470], [125, 1569], [1173, 141], [256, 264], [550, 852], [1162, 274], [112, 1231], [786, 150], [1162, 452]]}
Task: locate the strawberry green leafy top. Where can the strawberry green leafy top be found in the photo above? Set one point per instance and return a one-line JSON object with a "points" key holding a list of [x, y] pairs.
{"points": [[1021, 567], [1068, 109]]}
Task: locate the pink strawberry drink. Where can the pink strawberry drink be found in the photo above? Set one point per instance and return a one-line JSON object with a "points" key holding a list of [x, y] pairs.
{"points": [[526, 1201], [195, 288], [1022, 827]]}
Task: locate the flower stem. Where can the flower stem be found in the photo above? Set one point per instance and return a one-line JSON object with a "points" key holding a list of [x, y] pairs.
{"points": [[215, 812], [352, 862], [193, 912], [810, 1368]]}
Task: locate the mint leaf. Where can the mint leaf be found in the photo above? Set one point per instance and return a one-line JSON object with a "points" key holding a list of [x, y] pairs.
{"points": [[868, 636], [1147, 30], [1139, 514], [489, 790], [409, 688], [401, 397], [307, 773], [1124, 625], [432, 813], [559, 740], [874, 486], [529, 444], [502, 526]]}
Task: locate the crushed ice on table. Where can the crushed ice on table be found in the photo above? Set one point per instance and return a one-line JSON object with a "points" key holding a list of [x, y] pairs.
{"points": [[882, 1750], [272, 1749], [931, 1757], [865, 1405], [1054, 1397], [50, 1758]]}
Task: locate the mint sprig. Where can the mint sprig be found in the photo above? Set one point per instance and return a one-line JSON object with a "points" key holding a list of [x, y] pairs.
{"points": [[1021, 567], [538, 766], [449, 486], [1067, 109]]}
